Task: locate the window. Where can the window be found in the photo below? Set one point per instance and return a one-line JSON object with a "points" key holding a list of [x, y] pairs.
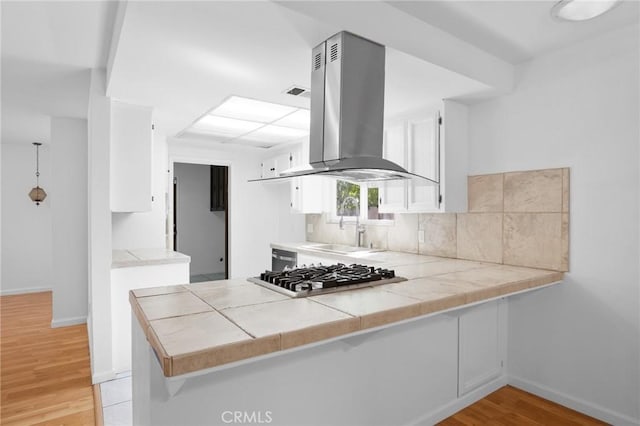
{"points": [[350, 196]]}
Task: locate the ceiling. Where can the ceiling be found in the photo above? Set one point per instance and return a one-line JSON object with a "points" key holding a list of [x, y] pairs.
{"points": [[514, 31], [183, 58], [48, 50], [186, 60]]}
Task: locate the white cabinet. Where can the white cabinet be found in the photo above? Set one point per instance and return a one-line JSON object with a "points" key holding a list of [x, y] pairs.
{"points": [[480, 343], [131, 157], [272, 167], [122, 281], [393, 194], [432, 143], [423, 143], [307, 192]]}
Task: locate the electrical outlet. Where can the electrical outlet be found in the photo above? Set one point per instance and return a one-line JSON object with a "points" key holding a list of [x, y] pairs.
{"points": [[421, 235], [309, 228]]}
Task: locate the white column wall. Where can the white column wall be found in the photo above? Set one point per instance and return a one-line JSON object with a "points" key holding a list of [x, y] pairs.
{"points": [[99, 320], [69, 209]]}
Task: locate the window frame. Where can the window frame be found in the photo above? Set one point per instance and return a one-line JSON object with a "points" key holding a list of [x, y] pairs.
{"points": [[334, 217]]}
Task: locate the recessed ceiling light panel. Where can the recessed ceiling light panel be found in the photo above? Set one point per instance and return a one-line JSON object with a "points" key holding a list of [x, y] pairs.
{"points": [[300, 119], [581, 10], [224, 126], [251, 122], [252, 110]]}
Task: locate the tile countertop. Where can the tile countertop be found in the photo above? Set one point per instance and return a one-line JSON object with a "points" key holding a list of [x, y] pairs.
{"points": [[197, 326], [146, 257]]}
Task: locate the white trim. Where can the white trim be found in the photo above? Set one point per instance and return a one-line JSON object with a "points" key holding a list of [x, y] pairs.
{"points": [[68, 321], [458, 404], [103, 376], [24, 290], [580, 405]]}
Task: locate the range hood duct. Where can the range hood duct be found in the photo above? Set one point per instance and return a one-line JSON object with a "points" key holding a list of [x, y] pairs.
{"points": [[347, 113]]}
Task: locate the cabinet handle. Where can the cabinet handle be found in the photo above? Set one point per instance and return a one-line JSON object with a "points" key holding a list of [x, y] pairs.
{"points": [[380, 201], [273, 169]]}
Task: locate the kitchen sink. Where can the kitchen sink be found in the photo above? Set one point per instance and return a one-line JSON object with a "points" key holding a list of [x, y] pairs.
{"points": [[341, 249]]}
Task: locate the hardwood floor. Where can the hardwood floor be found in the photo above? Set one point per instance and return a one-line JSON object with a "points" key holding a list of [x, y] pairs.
{"points": [[45, 376], [515, 407]]}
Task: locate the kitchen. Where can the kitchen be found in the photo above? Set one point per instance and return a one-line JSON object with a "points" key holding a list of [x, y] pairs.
{"points": [[545, 95]]}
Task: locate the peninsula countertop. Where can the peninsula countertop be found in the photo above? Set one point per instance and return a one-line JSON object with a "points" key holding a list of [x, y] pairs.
{"points": [[197, 326]]}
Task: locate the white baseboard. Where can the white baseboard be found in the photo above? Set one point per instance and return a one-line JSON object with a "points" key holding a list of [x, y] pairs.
{"points": [[103, 376], [24, 291], [577, 404], [458, 404], [68, 321]]}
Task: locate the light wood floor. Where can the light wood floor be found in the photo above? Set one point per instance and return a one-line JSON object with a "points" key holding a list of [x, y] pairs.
{"points": [[514, 407], [45, 376]]}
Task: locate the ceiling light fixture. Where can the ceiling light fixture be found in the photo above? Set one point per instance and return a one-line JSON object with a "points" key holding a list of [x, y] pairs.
{"points": [[252, 122], [37, 194], [581, 10]]}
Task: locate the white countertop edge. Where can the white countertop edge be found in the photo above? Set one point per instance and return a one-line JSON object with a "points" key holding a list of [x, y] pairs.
{"points": [[136, 257]]}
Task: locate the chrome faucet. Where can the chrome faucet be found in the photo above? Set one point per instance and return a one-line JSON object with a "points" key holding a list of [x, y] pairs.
{"points": [[360, 230]]}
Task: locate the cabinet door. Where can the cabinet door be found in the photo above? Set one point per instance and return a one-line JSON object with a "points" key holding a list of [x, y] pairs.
{"points": [[393, 194], [131, 157], [480, 358], [307, 194], [423, 141]]}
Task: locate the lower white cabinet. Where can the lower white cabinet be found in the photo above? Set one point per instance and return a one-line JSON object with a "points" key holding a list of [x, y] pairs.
{"points": [[122, 281], [480, 343]]}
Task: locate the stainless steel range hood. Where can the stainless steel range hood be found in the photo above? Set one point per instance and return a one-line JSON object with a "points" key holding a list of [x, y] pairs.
{"points": [[347, 113]]}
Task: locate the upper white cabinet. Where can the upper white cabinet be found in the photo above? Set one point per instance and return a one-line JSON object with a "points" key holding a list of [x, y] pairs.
{"points": [[431, 143], [272, 167], [131, 157], [306, 191], [393, 193]]}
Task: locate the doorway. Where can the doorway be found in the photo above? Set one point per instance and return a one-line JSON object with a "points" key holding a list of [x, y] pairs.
{"points": [[201, 218]]}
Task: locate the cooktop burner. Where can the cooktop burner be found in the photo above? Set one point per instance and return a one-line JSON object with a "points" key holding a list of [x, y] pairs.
{"points": [[319, 279]]}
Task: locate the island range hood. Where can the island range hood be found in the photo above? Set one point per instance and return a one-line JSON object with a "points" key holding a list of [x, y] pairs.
{"points": [[347, 113]]}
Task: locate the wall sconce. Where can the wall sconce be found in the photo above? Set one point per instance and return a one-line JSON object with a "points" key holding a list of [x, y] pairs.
{"points": [[37, 194]]}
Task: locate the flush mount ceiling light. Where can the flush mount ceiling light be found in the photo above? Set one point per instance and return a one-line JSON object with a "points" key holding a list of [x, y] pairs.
{"points": [[252, 122], [581, 10]]}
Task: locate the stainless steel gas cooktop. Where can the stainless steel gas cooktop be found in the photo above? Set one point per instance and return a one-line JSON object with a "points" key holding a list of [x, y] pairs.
{"points": [[319, 279]]}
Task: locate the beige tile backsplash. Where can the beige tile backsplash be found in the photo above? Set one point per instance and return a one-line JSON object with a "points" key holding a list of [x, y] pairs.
{"points": [[479, 237], [439, 234], [515, 218], [485, 193]]}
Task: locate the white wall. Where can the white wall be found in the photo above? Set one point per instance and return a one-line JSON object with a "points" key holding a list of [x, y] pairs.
{"points": [[26, 228], [258, 212], [578, 343], [200, 231], [69, 210], [146, 230]]}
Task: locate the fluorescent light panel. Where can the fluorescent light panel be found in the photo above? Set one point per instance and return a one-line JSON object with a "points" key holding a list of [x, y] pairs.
{"points": [[255, 123], [252, 110]]}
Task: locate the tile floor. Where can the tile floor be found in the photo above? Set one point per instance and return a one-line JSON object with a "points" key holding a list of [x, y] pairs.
{"points": [[213, 276], [116, 401]]}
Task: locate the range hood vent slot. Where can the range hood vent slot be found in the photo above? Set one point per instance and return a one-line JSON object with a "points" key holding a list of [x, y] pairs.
{"points": [[334, 52], [317, 61]]}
